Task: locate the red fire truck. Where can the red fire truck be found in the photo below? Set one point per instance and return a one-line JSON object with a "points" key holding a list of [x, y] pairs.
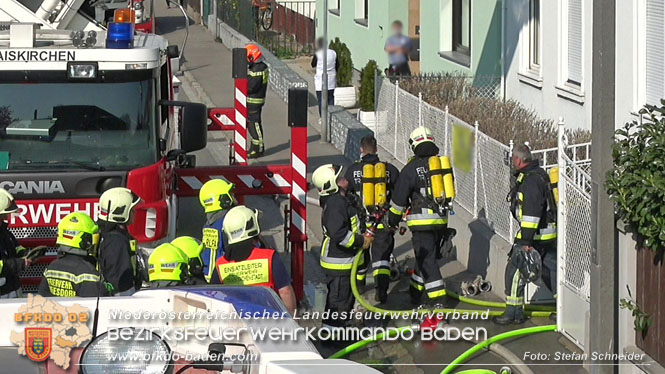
{"points": [[84, 111]]}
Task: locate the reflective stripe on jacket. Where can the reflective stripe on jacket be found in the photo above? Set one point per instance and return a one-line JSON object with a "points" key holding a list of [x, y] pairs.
{"points": [[530, 206], [341, 228]]}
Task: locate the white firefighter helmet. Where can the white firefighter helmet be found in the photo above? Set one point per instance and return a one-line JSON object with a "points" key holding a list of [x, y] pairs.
{"points": [[240, 224], [7, 202], [116, 204], [325, 179], [419, 136]]}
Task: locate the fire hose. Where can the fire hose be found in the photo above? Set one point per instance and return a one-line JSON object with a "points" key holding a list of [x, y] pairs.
{"points": [[534, 311]]}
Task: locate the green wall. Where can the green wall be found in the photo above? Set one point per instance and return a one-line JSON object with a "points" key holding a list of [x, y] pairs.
{"points": [[485, 39], [365, 42]]}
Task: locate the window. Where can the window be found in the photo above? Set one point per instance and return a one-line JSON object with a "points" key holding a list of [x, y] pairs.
{"points": [[91, 125], [534, 36], [334, 7], [654, 85], [362, 12], [455, 31], [462, 26], [574, 58]]}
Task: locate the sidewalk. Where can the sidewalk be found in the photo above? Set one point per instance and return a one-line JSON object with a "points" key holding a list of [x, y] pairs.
{"points": [[207, 78]]}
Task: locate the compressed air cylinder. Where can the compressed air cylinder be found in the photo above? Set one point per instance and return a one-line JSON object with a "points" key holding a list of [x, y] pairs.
{"points": [[554, 182], [368, 185], [380, 197], [436, 179], [448, 178]]}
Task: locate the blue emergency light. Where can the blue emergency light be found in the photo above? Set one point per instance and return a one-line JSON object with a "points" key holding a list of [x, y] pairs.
{"points": [[120, 35]]}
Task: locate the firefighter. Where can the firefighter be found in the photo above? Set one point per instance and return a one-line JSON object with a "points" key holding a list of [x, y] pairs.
{"points": [[426, 220], [384, 242], [168, 267], [532, 204], [192, 248], [117, 248], [216, 197], [342, 239], [243, 251], [12, 259], [74, 273], [256, 97]]}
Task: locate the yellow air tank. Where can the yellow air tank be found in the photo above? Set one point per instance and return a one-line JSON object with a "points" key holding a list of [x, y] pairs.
{"points": [[448, 178], [368, 185], [554, 182], [380, 198], [436, 179]]}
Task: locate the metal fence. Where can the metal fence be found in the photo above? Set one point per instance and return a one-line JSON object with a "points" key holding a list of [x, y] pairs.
{"points": [[481, 164], [574, 243], [282, 77], [456, 86], [482, 175], [286, 28]]}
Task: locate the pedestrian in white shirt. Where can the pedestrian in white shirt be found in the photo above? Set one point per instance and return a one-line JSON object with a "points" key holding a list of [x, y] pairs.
{"points": [[332, 65]]}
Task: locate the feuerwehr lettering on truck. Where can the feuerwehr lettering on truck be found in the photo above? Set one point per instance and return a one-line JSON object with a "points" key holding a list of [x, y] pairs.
{"points": [[40, 213]]}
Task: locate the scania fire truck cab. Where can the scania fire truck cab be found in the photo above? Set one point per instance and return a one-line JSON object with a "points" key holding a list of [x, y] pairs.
{"points": [[78, 117]]}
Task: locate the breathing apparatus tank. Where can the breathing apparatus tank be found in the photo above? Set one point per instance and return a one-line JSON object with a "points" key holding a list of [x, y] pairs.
{"points": [[448, 178], [436, 180], [380, 188], [368, 186], [554, 182]]}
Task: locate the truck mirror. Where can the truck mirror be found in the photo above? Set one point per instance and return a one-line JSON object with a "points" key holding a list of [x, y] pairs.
{"points": [[193, 127]]}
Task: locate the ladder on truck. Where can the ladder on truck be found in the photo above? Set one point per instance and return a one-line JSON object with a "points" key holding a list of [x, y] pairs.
{"points": [[51, 14]]}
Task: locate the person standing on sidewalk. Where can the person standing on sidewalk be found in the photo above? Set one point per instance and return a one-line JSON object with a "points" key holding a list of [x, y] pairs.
{"points": [[426, 220], [332, 68], [398, 46], [532, 203], [342, 239], [256, 98], [384, 242]]}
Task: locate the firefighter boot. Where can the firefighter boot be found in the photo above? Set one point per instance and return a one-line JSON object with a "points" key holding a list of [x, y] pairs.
{"points": [[512, 315]]}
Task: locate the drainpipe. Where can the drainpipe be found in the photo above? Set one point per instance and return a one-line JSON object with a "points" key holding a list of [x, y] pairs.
{"points": [[503, 50]]}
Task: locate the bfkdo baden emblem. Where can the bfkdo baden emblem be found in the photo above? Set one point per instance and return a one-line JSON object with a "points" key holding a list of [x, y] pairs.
{"points": [[37, 343]]}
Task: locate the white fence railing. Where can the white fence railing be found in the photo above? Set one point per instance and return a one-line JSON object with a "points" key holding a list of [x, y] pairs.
{"points": [[574, 244], [484, 181]]}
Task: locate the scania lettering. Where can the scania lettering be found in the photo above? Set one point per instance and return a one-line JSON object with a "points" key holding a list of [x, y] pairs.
{"points": [[77, 119], [23, 187]]}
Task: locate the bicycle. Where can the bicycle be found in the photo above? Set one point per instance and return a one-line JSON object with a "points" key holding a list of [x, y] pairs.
{"points": [[264, 14]]}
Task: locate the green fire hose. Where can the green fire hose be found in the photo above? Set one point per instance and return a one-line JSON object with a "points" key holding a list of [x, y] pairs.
{"points": [[362, 301], [375, 309], [484, 344]]}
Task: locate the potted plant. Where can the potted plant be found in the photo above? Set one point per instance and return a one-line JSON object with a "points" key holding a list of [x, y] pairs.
{"points": [[345, 93], [367, 114]]}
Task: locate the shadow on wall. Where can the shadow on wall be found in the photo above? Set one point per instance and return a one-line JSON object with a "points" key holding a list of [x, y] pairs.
{"points": [[517, 17], [479, 245]]}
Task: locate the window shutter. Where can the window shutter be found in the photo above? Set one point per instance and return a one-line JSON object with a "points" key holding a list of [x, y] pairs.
{"points": [[655, 46], [575, 41]]}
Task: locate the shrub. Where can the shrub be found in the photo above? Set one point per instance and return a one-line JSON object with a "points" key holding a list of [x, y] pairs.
{"points": [[345, 73], [502, 120], [367, 75], [637, 182]]}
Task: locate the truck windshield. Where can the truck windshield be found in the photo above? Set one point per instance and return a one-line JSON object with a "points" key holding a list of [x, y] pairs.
{"points": [[100, 126]]}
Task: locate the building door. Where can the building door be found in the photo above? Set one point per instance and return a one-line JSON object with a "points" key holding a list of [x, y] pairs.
{"points": [[414, 34]]}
